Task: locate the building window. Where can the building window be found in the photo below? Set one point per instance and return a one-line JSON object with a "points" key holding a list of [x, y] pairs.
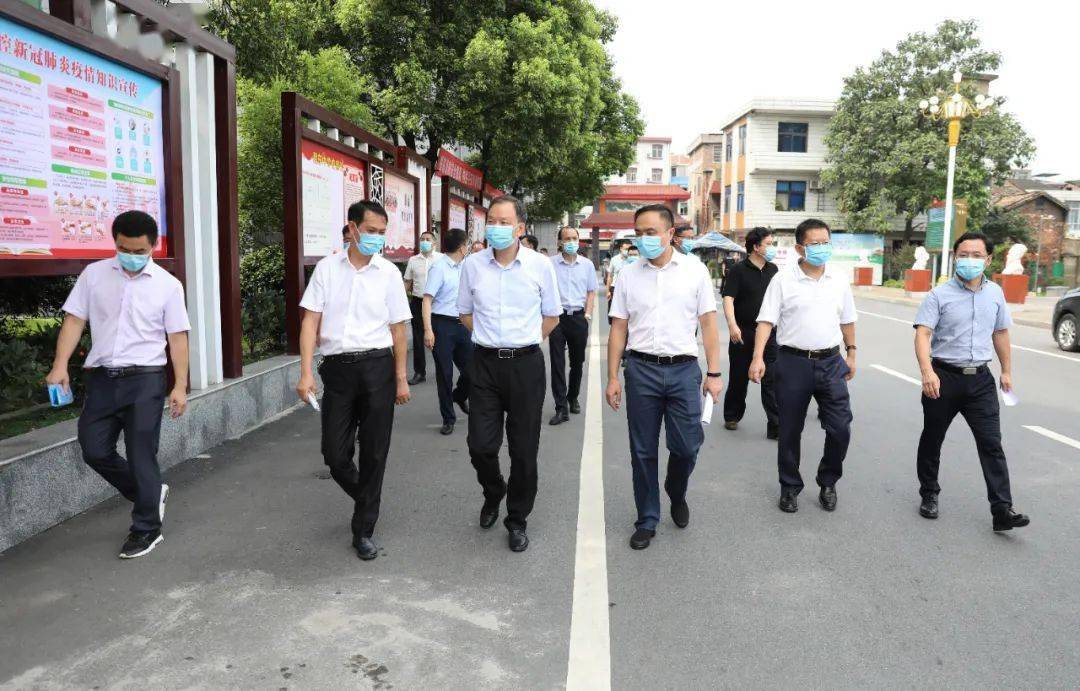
{"points": [[790, 195], [742, 140], [682, 209], [740, 197], [792, 137], [1073, 229], [674, 172], [727, 147], [657, 175], [657, 151], [727, 198], [717, 153], [631, 175]]}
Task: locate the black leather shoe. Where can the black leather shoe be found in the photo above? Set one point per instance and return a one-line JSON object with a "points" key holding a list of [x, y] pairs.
{"points": [[519, 541], [463, 404], [489, 513], [772, 432], [641, 538], [929, 507], [680, 513], [366, 549], [1009, 519], [447, 429], [575, 407], [827, 496], [417, 379], [559, 417], [789, 501], [731, 424]]}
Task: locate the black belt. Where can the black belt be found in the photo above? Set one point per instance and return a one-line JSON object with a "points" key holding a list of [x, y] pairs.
{"points": [[507, 353], [445, 317], [358, 355], [661, 359], [812, 354], [571, 313], [117, 372], [955, 369]]}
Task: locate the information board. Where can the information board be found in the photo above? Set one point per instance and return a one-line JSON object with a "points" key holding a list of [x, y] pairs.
{"points": [[399, 200], [331, 182], [80, 142], [459, 217], [477, 222], [852, 250]]}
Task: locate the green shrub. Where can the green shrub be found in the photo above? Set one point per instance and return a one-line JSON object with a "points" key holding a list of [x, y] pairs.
{"points": [[22, 375], [893, 283], [262, 300]]}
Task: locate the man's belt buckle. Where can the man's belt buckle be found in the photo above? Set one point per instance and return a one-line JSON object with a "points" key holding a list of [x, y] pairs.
{"points": [[114, 372], [969, 370], [506, 353]]}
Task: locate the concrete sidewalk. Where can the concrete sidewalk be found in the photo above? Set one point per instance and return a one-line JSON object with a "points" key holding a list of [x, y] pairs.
{"points": [[1036, 311]]}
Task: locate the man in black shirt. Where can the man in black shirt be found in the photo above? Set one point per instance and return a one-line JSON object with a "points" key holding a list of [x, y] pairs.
{"points": [[743, 291]]}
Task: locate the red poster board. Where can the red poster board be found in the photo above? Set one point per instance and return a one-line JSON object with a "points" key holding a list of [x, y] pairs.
{"points": [[401, 196], [332, 181]]}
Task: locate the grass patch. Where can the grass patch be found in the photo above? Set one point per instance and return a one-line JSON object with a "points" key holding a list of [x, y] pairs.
{"points": [[35, 419]]}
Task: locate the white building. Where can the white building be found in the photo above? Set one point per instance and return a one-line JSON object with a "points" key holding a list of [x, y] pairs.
{"points": [[652, 163]]}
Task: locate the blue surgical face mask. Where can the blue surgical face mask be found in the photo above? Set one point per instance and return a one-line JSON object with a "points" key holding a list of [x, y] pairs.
{"points": [[631, 258], [571, 246], [649, 246], [770, 253], [817, 255], [133, 262], [687, 245], [370, 243], [345, 244], [968, 268], [425, 246], [499, 237]]}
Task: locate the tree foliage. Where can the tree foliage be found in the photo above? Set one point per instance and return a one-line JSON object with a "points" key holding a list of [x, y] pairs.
{"points": [[1007, 227], [886, 159]]}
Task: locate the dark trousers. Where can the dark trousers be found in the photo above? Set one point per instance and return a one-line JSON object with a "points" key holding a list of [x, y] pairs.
{"points": [[672, 394], [135, 405], [975, 397], [572, 333], [798, 379], [509, 391], [739, 356], [453, 346], [419, 360], [358, 410]]}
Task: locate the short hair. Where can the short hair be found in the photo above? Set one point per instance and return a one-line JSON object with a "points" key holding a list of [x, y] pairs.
{"points": [[357, 210], [428, 233], [135, 224], [454, 239], [559, 236], [756, 236], [531, 241], [633, 248], [806, 226], [664, 212], [682, 229], [975, 235], [344, 230], [519, 206]]}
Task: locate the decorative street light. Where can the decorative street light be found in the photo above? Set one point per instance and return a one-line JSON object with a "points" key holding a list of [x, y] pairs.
{"points": [[954, 108]]}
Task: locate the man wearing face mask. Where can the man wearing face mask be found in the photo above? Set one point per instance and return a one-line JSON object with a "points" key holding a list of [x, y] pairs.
{"points": [[577, 288], [959, 326], [813, 312], [444, 334], [685, 241], [416, 272], [743, 292], [134, 308], [356, 310], [659, 302], [509, 299], [618, 260]]}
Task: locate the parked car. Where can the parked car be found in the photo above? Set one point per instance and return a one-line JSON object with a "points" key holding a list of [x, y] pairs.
{"points": [[1066, 322]]}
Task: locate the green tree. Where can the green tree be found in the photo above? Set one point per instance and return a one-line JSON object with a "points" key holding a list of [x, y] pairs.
{"points": [[885, 159], [1007, 227]]}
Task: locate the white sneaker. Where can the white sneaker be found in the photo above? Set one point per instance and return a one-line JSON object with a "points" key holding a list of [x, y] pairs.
{"points": [[161, 503]]}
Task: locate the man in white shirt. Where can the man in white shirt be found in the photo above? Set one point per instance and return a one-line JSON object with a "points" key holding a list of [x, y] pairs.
{"points": [[813, 312], [577, 288], [356, 310], [509, 299], [684, 242], [659, 303], [416, 272]]}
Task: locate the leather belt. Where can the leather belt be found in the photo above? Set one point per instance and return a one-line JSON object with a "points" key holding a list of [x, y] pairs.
{"points": [[812, 354], [118, 372], [358, 355], [507, 353], [956, 369], [661, 359], [445, 317], [572, 313]]}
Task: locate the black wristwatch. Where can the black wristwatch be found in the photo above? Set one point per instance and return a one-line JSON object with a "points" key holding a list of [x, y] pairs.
{"points": [[851, 347], [712, 374]]}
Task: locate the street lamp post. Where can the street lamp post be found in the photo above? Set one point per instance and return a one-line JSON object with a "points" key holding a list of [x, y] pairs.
{"points": [[954, 109]]}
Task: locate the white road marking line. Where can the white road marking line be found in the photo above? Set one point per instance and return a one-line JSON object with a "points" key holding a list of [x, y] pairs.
{"points": [[898, 375], [1037, 351], [589, 667], [1068, 441]]}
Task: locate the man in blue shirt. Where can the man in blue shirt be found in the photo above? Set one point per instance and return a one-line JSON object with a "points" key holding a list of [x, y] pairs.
{"points": [[957, 329], [509, 299], [444, 334], [577, 288]]}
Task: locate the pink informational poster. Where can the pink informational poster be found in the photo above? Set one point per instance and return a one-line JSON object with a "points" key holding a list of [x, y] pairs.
{"points": [[458, 216], [80, 142], [399, 200], [331, 182]]}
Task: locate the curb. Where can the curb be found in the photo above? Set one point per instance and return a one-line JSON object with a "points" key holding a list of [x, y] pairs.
{"points": [[914, 303]]}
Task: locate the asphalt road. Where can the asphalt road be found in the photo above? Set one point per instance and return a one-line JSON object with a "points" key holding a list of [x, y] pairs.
{"points": [[256, 585]]}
